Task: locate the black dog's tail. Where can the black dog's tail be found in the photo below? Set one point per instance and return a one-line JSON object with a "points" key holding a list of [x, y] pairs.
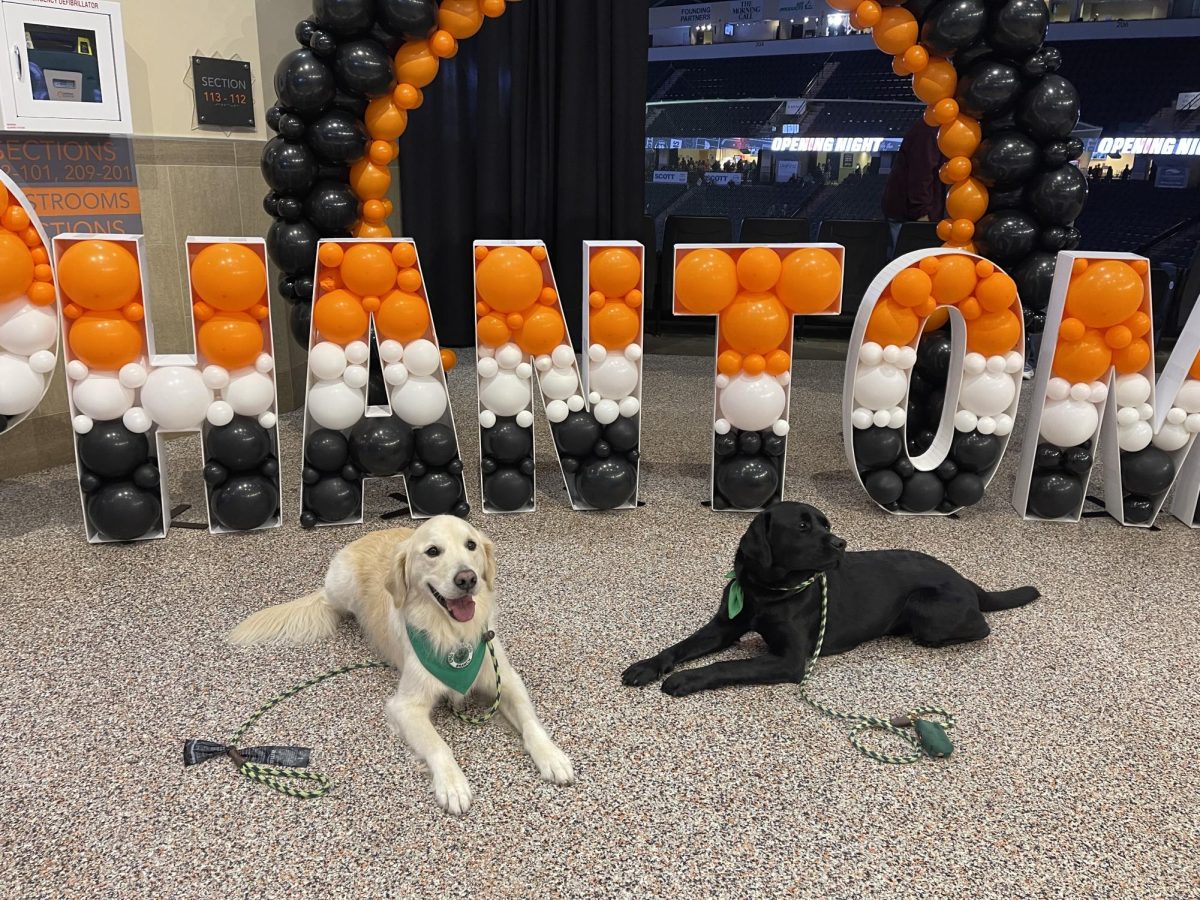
{"points": [[992, 601]]}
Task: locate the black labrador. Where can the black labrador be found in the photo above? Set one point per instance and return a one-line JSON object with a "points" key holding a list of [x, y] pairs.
{"points": [[871, 594]]}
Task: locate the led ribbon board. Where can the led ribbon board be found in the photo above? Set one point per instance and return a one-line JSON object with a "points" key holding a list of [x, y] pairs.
{"points": [[373, 290], [755, 291], [927, 414], [123, 394]]}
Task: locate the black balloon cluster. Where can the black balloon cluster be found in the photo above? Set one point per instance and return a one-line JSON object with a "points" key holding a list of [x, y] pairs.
{"points": [[343, 62], [927, 390], [120, 482], [600, 461], [1059, 475], [1146, 476], [749, 469], [894, 482], [507, 465], [242, 474], [1008, 80], [380, 447]]}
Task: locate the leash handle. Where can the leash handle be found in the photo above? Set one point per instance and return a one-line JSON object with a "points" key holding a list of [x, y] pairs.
{"points": [[278, 778]]}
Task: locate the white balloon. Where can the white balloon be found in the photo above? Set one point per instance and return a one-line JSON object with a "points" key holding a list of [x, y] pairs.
{"points": [[897, 418], [133, 375], [630, 406], [1145, 412], [780, 427], [327, 361], [336, 405], [1058, 389], [421, 400], [524, 371], [606, 411], [995, 364], [594, 398], [880, 387], [391, 351], [784, 378], [1004, 425], [614, 378], [575, 403], [76, 370], [487, 367], [974, 363], [215, 377], [861, 418], [220, 413], [489, 352], [597, 352], [422, 357], [633, 352], [356, 376], [559, 384], [509, 356], [525, 418], [176, 397], [965, 420], [1192, 423], [1172, 437], [395, 374], [1188, 398], [881, 418], [21, 388], [563, 356], [986, 425], [487, 418], [1132, 390], [1014, 362], [268, 420], [722, 381], [543, 363], [250, 392], [891, 354], [1176, 416], [357, 352], [102, 396], [1081, 391], [721, 426], [752, 402], [988, 393], [136, 420], [42, 361], [82, 424], [505, 394], [870, 354], [556, 410], [1126, 415], [1068, 423], [265, 363], [26, 328], [1135, 437], [1099, 392]]}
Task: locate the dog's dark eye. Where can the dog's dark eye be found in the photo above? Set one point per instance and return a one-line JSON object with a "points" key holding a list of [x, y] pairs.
{"points": [[433, 551], [470, 545], [803, 526]]}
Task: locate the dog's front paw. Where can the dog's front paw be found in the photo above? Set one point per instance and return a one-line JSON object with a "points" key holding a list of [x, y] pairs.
{"points": [[681, 684], [644, 672], [552, 764], [452, 791]]}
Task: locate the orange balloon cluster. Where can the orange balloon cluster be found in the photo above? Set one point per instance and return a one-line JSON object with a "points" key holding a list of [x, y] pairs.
{"points": [[229, 283], [24, 263], [513, 301], [101, 284], [415, 66], [984, 295], [756, 292], [615, 320], [1104, 323]]}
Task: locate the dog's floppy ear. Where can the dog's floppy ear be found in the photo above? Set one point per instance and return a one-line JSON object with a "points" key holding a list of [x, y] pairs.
{"points": [[489, 569], [397, 577], [756, 542]]}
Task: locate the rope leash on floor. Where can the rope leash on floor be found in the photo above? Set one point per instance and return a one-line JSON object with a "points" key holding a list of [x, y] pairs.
{"points": [[279, 768]]}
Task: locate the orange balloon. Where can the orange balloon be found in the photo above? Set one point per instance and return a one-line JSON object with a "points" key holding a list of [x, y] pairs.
{"points": [[994, 333], [729, 362], [758, 269], [911, 287], [938, 316], [1138, 324], [15, 218], [1084, 360], [960, 138], [754, 364], [461, 18], [937, 81], [778, 362], [1106, 293], [542, 330], [229, 276], [956, 170], [945, 111], [810, 280], [369, 270], [407, 97], [409, 280], [1118, 337], [1071, 330], [41, 293], [1133, 358], [970, 309], [404, 254], [365, 229], [614, 271], [449, 359], [385, 121], [916, 58], [896, 31], [954, 280], [331, 255], [892, 324], [614, 325], [900, 67], [493, 330], [492, 8], [442, 44], [339, 317], [16, 267], [1194, 371], [866, 14], [509, 279], [755, 323], [402, 317], [99, 274], [415, 64], [369, 181], [996, 292], [230, 339], [104, 339], [706, 281], [968, 199]]}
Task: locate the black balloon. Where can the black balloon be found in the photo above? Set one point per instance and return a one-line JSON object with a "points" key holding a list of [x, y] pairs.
{"points": [[953, 25], [576, 434], [750, 442], [975, 452], [408, 18], [506, 441], [622, 434], [333, 498], [288, 168], [240, 445], [322, 43], [747, 482], [884, 486], [1018, 27], [1055, 238], [214, 473], [1054, 495], [999, 124], [300, 323], [947, 470], [965, 490], [122, 511], [988, 88], [976, 53], [338, 137], [1057, 197], [291, 127], [326, 450], [725, 444], [507, 489], [303, 287], [607, 483], [1150, 471], [876, 447], [303, 83], [1005, 159], [343, 17], [1138, 510], [602, 449], [1049, 110], [351, 103], [1047, 458], [293, 247], [933, 355], [146, 476], [436, 445], [289, 208], [435, 493], [332, 208], [275, 113], [245, 502], [1034, 276], [1046, 59], [1006, 198], [1078, 460], [363, 67], [904, 467], [774, 445], [111, 450], [1006, 236], [381, 445], [922, 492]]}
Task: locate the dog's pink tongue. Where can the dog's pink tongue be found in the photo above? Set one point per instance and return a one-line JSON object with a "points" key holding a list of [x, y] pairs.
{"points": [[462, 608]]}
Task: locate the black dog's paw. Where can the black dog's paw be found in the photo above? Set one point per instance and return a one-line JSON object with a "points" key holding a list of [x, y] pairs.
{"points": [[644, 672], [681, 684]]}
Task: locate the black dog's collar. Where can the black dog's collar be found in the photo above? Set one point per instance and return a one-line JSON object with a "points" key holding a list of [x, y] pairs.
{"points": [[735, 600]]}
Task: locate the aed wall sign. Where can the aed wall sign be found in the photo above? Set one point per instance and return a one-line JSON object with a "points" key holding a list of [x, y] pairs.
{"points": [[77, 183], [223, 94]]}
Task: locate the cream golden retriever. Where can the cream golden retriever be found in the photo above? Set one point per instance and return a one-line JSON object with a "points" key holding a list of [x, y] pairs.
{"points": [[437, 579]]}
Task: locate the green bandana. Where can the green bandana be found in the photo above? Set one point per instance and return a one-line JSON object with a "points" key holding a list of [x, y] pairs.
{"points": [[735, 595], [457, 678]]}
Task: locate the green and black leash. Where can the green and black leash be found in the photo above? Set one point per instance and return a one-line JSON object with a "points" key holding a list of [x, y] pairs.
{"points": [[262, 764], [930, 739]]}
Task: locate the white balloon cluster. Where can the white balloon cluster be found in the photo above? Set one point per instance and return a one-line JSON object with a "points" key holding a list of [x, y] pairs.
{"points": [[752, 402], [880, 385], [989, 389], [337, 398], [1134, 412], [244, 392], [1072, 411], [28, 334], [506, 385], [613, 379]]}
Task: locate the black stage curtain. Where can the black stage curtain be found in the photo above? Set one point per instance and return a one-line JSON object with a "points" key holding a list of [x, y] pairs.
{"points": [[535, 129]]}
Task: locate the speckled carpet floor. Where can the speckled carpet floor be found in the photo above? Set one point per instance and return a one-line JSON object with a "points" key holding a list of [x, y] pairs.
{"points": [[1076, 772]]}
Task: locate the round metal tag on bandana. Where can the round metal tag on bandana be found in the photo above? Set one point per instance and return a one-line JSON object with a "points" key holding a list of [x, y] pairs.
{"points": [[460, 657]]}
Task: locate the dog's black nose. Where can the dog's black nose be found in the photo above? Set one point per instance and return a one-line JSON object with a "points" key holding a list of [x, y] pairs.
{"points": [[466, 580], [837, 543]]}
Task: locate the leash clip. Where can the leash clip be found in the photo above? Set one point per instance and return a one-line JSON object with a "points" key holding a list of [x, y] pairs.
{"points": [[237, 758]]}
